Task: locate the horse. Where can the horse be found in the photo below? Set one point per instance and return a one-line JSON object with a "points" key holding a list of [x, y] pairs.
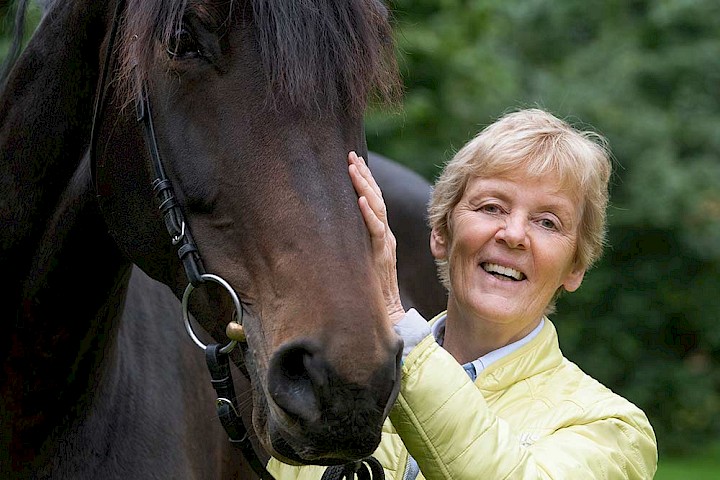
{"points": [[166, 160]]}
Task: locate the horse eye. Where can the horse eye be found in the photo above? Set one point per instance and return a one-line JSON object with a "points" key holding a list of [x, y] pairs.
{"points": [[183, 45]]}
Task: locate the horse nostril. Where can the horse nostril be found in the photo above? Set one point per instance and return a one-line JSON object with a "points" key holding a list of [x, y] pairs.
{"points": [[297, 376]]}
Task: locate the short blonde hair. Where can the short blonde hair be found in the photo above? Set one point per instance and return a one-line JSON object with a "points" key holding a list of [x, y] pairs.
{"points": [[536, 143]]}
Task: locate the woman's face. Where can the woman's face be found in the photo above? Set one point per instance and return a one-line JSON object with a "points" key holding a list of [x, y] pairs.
{"points": [[513, 245]]}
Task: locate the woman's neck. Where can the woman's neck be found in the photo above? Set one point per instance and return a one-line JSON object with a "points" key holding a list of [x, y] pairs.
{"points": [[468, 338]]}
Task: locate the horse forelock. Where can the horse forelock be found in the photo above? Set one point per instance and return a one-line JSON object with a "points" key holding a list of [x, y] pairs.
{"points": [[327, 51], [314, 52]]}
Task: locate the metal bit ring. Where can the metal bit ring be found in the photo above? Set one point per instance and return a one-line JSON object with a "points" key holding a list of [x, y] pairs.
{"points": [[186, 314]]}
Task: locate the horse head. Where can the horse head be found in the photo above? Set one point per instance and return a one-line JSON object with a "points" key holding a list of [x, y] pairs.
{"points": [[254, 107]]}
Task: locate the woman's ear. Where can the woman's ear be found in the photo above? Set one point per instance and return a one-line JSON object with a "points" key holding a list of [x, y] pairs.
{"points": [[574, 279], [438, 245]]}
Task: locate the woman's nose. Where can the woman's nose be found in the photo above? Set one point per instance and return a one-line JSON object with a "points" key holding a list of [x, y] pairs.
{"points": [[513, 232]]}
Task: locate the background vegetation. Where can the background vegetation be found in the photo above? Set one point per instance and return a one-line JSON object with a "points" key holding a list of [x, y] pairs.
{"points": [[646, 74]]}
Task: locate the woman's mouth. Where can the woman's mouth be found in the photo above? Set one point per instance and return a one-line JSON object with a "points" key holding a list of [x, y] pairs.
{"points": [[502, 272]]}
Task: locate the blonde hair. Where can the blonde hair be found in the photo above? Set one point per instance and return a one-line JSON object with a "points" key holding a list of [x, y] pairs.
{"points": [[536, 143]]}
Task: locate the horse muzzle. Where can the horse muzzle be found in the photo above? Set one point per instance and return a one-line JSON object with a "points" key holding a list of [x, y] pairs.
{"points": [[317, 415]]}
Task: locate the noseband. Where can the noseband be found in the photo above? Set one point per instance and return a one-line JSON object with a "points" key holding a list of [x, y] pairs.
{"points": [[216, 357]]}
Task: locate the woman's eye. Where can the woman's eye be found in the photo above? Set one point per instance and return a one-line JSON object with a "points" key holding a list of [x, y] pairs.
{"points": [[490, 208], [549, 224], [183, 45]]}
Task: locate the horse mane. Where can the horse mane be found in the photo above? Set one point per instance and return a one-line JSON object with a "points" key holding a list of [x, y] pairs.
{"points": [[314, 52]]}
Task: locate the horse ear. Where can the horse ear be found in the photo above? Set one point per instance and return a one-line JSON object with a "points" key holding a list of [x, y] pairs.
{"points": [[438, 245]]}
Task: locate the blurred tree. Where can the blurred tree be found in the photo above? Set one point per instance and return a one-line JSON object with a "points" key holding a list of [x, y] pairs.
{"points": [[646, 75]]}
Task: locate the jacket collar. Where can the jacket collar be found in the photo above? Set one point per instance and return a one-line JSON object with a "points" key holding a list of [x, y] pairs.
{"points": [[540, 354]]}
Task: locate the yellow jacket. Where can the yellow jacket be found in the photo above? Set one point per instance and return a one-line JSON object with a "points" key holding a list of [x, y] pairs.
{"points": [[530, 415]]}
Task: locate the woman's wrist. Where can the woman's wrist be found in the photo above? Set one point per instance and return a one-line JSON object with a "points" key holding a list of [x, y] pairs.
{"points": [[412, 328]]}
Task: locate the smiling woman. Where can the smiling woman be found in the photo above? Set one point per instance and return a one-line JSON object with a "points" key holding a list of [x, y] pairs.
{"points": [[517, 216], [513, 246]]}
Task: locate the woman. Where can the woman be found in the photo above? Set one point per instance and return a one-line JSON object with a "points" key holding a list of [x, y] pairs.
{"points": [[517, 217]]}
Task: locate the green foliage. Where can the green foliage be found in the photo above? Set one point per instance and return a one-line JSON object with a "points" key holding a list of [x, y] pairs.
{"points": [[644, 74]]}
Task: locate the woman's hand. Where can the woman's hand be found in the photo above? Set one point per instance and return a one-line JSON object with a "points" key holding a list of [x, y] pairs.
{"points": [[374, 212]]}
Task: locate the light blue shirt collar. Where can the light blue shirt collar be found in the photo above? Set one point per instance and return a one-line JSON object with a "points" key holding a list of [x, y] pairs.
{"points": [[480, 364]]}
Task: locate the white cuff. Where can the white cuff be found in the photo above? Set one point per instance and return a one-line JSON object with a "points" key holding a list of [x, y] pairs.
{"points": [[412, 328]]}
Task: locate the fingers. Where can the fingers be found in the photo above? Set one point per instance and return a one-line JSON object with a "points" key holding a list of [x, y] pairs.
{"points": [[366, 186], [374, 213], [372, 207], [359, 163], [374, 224]]}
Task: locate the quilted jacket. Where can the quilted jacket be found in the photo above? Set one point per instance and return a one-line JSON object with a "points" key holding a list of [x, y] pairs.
{"points": [[530, 415]]}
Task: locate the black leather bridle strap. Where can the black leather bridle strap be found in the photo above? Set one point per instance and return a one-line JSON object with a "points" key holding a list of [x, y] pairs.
{"points": [[167, 204], [227, 409], [169, 208]]}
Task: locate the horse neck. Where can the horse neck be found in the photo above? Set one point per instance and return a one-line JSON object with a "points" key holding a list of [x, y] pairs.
{"points": [[59, 302], [98, 355], [61, 333], [45, 120]]}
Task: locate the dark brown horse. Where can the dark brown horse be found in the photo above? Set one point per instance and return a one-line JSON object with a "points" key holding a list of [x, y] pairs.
{"points": [[255, 105]]}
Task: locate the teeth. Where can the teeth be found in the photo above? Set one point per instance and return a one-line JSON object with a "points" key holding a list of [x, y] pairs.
{"points": [[506, 271]]}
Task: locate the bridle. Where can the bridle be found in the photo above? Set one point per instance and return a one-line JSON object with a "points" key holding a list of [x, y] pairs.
{"points": [[216, 356]]}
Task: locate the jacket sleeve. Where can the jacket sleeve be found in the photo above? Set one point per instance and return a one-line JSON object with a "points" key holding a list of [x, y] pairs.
{"points": [[444, 422]]}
